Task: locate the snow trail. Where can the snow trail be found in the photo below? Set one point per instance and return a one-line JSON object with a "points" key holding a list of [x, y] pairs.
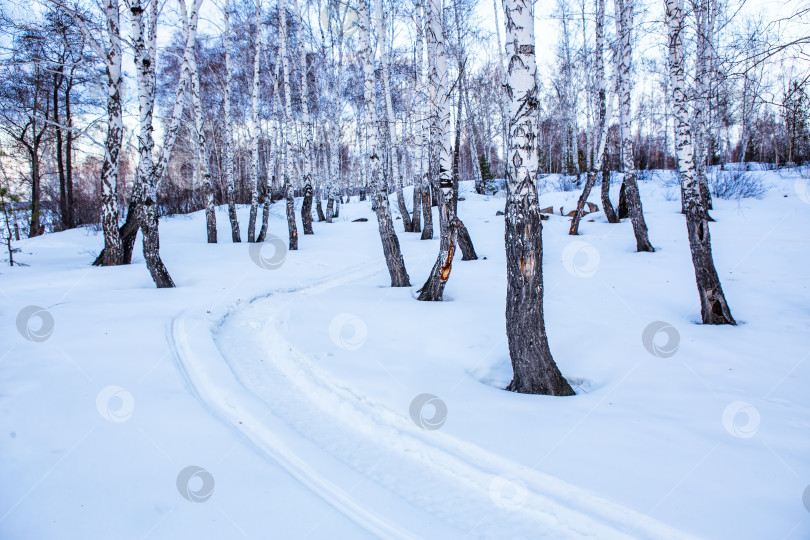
{"points": [[371, 463]]}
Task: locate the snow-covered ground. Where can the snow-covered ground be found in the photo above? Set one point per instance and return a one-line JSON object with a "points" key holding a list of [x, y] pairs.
{"points": [[296, 395]]}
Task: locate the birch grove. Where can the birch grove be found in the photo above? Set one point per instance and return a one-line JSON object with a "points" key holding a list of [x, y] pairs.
{"points": [[413, 106]]}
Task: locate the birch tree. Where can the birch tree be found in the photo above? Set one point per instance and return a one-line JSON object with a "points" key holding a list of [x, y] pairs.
{"points": [[275, 142], [705, 13], [390, 242], [568, 95], [534, 369], [713, 306], [110, 50], [423, 134], [385, 60], [503, 102], [228, 165], [599, 60], [253, 127], [308, 135], [286, 150], [440, 160], [604, 119], [624, 24], [336, 19], [202, 153], [149, 173]]}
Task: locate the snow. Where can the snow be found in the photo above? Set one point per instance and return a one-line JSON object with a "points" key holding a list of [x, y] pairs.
{"points": [[318, 402]]}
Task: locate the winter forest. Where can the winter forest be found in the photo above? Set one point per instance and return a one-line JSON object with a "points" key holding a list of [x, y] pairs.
{"points": [[405, 269]]}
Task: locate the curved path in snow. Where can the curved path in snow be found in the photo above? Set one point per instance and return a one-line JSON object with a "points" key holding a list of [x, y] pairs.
{"points": [[371, 463]]}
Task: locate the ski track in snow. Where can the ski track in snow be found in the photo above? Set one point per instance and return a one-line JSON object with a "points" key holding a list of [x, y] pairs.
{"points": [[373, 464]]}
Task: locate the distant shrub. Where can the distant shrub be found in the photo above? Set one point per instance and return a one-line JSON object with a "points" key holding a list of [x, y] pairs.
{"points": [[566, 183], [644, 175], [737, 185]]}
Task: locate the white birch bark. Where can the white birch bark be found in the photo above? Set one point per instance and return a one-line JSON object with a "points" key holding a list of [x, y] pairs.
{"points": [[422, 124], [202, 153], [111, 53], [713, 306], [624, 24], [504, 100], [253, 126], [334, 182], [144, 30], [307, 133], [569, 95], [390, 242], [440, 161], [599, 62], [534, 369], [228, 165], [385, 60], [286, 149], [704, 19], [274, 142]]}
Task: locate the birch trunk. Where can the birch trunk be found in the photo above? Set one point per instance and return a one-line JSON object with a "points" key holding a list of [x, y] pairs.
{"points": [[286, 150], [607, 207], [334, 180], [713, 306], [591, 179], [229, 180], [704, 31], [441, 160], [112, 253], [149, 173], [271, 156], [390, 242], [480, 188], [569, 98], [385, 60], [534, 369], [504, 101], [306, 207], [363, 162], [423, 176], [202, 154], [253, 128], [624, 23]]}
